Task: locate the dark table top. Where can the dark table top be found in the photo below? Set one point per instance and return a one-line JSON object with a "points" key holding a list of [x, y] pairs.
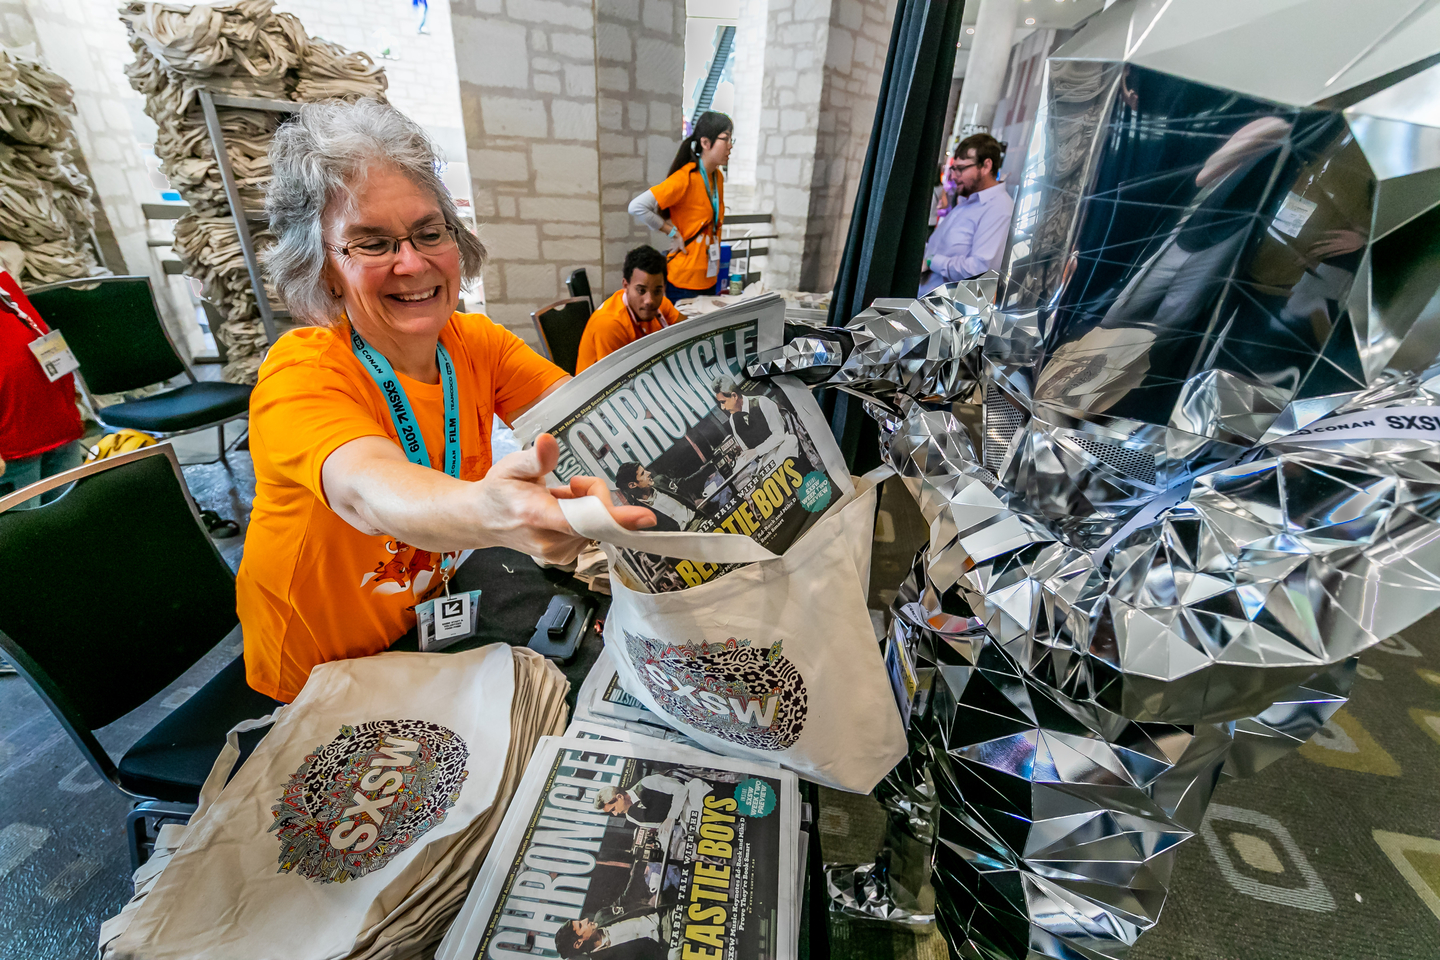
{"points": [[514, 593]]}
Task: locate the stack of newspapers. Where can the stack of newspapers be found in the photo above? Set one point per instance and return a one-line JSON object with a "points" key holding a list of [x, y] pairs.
{"points": [[602, 700], [619, 845], [673, 422]]}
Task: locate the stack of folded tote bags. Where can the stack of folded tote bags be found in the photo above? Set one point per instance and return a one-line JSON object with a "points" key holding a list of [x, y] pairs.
{"points": [[329, 70], [358, 825], [45, 200], [243, 49], [210, 249]]}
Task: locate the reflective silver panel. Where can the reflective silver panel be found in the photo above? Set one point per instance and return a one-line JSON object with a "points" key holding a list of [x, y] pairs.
{"points": [[801, 356], [1180, 473]]}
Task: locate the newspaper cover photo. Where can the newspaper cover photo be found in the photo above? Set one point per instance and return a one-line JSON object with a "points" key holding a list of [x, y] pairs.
{"points": [[671, 422], [638, 850]]}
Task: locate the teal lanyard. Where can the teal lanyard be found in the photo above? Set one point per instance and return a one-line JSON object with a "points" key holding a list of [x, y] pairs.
{"points": [[714, 195], [406, 427]]}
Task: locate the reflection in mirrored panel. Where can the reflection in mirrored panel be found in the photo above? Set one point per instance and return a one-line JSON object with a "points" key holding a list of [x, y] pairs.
{"points": [[1148, 563]]}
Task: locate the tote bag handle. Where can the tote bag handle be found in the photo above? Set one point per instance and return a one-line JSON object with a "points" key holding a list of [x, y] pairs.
{"points": [[588, 517]]}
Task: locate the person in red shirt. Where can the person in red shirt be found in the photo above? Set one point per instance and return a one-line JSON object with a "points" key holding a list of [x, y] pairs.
{"points": [[39, 422], [637, 308]]}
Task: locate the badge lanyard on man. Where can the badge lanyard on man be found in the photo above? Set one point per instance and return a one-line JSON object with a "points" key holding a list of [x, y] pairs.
{"points": [[712, 255], [440, 621], [50, 349]]}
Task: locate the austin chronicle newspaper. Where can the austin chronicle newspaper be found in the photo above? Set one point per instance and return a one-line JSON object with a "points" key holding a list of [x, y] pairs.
{"points": [[642, 850], [671, 422]]}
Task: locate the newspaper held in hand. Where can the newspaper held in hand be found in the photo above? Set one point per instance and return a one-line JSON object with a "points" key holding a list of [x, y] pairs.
{"points": [[671, 422], [671, 851]]}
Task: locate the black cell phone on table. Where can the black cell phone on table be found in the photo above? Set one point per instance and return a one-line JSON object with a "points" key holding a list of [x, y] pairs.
{"points": [[559, 632]]}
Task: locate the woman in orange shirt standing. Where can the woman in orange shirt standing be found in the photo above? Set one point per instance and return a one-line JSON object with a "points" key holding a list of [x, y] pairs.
{"points": [[689, 206]]}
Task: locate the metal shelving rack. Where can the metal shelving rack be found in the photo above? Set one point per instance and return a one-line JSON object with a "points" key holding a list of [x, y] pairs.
{"points": [[747, 221], [242, 217]]}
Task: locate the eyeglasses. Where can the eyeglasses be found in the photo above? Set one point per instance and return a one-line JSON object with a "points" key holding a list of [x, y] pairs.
{"points": [[432, 238], [727, 138]]}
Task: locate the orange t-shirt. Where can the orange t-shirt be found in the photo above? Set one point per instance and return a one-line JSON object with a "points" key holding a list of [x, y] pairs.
{"points": [[683, 194], [311, 587], [612, 326]]}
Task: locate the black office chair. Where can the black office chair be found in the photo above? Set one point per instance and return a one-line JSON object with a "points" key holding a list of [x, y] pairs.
{"points": [[129, 541], [578, 283], [561, 325], [112, 326]]}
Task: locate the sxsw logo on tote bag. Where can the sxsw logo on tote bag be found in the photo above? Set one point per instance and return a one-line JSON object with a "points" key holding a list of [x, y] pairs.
{"points": [[365, 797], [747, 695]]}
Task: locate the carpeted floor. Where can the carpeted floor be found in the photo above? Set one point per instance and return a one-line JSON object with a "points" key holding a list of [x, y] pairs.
{"points": [[1333, 852]]}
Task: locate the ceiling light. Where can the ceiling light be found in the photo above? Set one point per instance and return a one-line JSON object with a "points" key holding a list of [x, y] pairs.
{"points": [[1029, 21], [970, 30]]}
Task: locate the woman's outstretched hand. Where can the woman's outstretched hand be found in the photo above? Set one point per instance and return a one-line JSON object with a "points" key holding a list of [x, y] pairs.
{"points": [[520, 512]]}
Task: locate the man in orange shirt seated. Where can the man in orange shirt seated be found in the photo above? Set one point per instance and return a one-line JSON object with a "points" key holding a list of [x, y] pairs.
{"points": [[637, 308]]}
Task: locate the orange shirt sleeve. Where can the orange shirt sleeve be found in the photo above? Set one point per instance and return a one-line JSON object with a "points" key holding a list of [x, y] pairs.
{"points": [[607, 331], [669, 191], [668, 311], [520, 375], [301, 412]]}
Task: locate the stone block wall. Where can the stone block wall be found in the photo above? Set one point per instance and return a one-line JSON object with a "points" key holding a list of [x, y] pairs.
{"points": [[823, 63], [748, 70], [640, 67], [854, 65], [559, 98], [527, 78]]}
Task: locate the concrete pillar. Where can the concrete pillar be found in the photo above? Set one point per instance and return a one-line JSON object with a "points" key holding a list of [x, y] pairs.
{"points": [[640, 65], [749, 68], [818, 53], [985, 71]]}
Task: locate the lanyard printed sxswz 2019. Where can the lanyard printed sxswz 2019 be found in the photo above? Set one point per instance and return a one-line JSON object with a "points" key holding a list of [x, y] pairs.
{"points": [[406, 426], [712, 252]]}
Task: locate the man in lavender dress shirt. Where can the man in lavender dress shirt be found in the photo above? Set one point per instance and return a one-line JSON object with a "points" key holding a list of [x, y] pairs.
{"points": [[970, 239]]}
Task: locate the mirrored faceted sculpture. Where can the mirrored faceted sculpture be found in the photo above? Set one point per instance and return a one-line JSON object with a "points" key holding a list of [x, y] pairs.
{"points": [[1179, 470]]}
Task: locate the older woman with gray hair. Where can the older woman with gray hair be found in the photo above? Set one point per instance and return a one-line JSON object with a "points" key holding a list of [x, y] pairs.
{"points": [[370, 425]]}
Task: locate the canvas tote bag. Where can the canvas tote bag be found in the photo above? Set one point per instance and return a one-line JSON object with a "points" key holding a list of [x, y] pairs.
{"points": [[774, 661], [364, 782]]}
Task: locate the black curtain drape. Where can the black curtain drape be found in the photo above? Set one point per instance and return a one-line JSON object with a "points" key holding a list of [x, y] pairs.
{"points": [[890, 223]]}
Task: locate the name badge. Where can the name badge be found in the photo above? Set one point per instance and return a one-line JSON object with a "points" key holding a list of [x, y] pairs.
{"points": [[712, 262], [445, 620], [53, 355]]}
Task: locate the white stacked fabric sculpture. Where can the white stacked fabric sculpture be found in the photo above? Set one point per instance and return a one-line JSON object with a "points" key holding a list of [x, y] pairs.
{"points": [[247, 49], [1179, 462]]}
